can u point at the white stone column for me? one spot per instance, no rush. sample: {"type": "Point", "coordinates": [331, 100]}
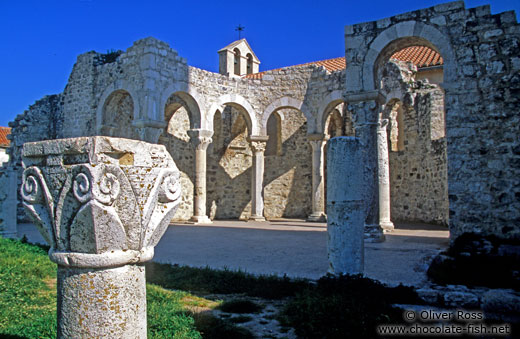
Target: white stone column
{"type": "Point", "coordinates": [384, 177]}
{"type": "Point", "coordinates": [8, 202]}
{"type": "Point", "coordinates": [102, 204]}
{"type": "Point", "coordinates": [258, 144]}
{"type": "Point", "coordinates": [346, 205]}
{"type": "Point", "coordinates": [201, 140]}
{"type": "Point", "coordinates": [318, 142]}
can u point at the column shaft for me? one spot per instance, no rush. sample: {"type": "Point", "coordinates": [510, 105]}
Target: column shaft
{"type": "Point", "coordinates": [318, 142]}
{"type": "Point", "coordinates": [201, 139]}
{"type": "Point", "coordinates": [384, 177]}
{"type": "Point", "coordinates": [345, 206]}
{"type": "Point", "coordinates": [102, 303]}
{"type": "Point", "coordinates": [258, 144]}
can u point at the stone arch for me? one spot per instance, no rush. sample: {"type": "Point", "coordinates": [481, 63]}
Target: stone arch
{"type": "Point", "coordinates": [335, 121]}
{"type": "Point", "coordinates": [191, 97]}
{"type": "Point", "coordinates": [402, 35]}
{"type": "Point", "coordinates": [116, 87]}
{"type": "Point", "coordinates": [239, 102]}
{"type": "Point", "coordinates": [326, 106]}
{"type": "Point", "coordinates": [283, 102]}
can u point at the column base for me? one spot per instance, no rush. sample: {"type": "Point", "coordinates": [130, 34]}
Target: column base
{"type": "Point", "coordinates": [317, 217]}
{"type": "Point", "coordinates": [201, 219]}
{"type": "Point", "coordinates": [387, 226]}
{"type": "Point", "coordinates": [256, 218]}
{"type": "Point", "coordinates": [374, 233]}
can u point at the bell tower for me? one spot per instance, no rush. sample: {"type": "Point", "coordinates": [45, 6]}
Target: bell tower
{"type": "Point", "coordinates": [238, 59]}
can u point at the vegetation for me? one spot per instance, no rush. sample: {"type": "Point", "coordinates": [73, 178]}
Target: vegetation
{"type": "Point", "coordinates": [207, 281]}
{"type": "Point", "coordinates": [28, 301]}
{"type": "Point", "coordinates": [345, 307]}
{"type": "Point", "coordinates": [331, 308]}
{"type": "Point", "coordinates": [108, 57]}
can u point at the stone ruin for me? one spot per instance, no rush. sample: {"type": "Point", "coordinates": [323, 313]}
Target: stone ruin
{"type": "Point", "coordinates": [252, 145]}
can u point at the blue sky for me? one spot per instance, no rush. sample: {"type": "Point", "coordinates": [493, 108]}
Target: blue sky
{"type": "Point", "coordinates": [41, 39]}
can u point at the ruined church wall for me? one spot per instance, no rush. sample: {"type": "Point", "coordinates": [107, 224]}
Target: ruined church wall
{"type": "Point", "coordinates": [418, 173]}
{"type": "Point", "coordinates": [288, 174]}
{"type": "Point", "coordinates": [481, 53]}
{"type": "Point", "coordinates": [177, 142]}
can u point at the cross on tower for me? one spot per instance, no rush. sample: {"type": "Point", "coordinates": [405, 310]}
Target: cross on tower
{"type": "Point", "coordinates": [239, 28]}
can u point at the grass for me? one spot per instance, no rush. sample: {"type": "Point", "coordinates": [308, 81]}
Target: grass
{"type": "Point", "coordinates": [209, 281]}
{"type": "Point", "coordinates": [348, 306]}
{"type": "Point", "coordinates": [28, 301]}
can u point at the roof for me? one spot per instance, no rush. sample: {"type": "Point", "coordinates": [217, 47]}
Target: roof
{"type": "Point", "coordinates": [4, 131]}
{"type": "Point", "coordinates": [421, 56]}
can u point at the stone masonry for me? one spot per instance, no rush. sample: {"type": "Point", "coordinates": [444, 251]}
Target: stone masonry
{"type": "Point", "coordinates": [453, 148]}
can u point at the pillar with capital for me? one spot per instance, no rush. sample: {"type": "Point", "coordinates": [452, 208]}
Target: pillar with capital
{"type": "Point", "coordinates": [365, 108]}
{"type": "Point", "coordinates": [318, 142]}
{"type": "Point", "coordinates": [201, 139]}
{"type": "Point", "coordinates": [102, 204]}
{"type": "Point", "coordinates": [258, 144]}
{"type": "Point", "coordinates": [384, 177]}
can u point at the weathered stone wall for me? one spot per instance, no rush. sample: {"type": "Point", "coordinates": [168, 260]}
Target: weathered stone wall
{"type": "Point", "coordinates": [418, 172]}
{"type": "Point", "coordinates": [177, 142]}
{"type": "Point", "coordinates": [482, 85]}
{"type": "Point", "coordinates": [229, 168]}
{"type": "Point", "coordinates": [288, 174]}
{"type": "Point", "coordinates": [129, 94]}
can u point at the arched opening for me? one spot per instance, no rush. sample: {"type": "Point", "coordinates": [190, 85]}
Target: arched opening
{"type": "Point", "coordinates": [177, 115]}
{"type": "Point", "coordinates": [287, 173]}
{"type": "Point", "coordinates": [229, 163]}
{"type": "Point", "coordinates": [249, 63]}
{"type": "Point", "coordinates": [118, 113]}
{"type": "Point", "coordinates": [338, 122]}
{"type": "Point", "coordinates": [236, 61]}
{"type": "Point", "coordinates": [417, 159]}
{"type": "Point", "coordinates": [274, 132]}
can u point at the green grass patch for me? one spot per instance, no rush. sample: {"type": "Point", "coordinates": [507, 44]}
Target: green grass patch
{"type": "Point", "coordinates": [27, 291]}
{"type": "Point", "coordinates": [207, 281]}
{"type": "Point", "coordinates": [28, 301]}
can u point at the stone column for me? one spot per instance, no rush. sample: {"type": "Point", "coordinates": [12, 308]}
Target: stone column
{"type": "Point", "coordinates": [201, 140]}
{"type": "Point", "coordinates": [318, 142]}
{"type": "Point", "coordinates": [365, 109]}
{"type": "Point", "coordinates": [384, 177]}
{"type": "Point", "coordinates": [346, 205]}
{"type": "Point", "coordinates": [8, 202]}
{"type": "Point", "coordinates": [102, 204]}
{"type": "Point", "coordinates": [258, 143]}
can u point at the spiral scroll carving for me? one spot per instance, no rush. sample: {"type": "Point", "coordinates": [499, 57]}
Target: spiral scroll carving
{"type": "Point", "coordinates": [33, 190]}
{"type": "Point", "coordinates": [81, 188]}
{"type": "Point", "coordinates": [170, 189]}
{"type": "Point", "coordinates": [107, 188]}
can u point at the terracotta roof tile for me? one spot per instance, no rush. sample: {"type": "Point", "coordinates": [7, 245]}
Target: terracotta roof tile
{"type": "Point", "coordinates": [4, 131]}
{"type": "Point", "coordinates": [421, 56]}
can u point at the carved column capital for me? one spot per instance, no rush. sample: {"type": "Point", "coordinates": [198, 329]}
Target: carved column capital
{"type": "Point", "coordinates": [200, 138]}
{"type": "Point", "coordinates": [99, 201]}
{"type": "Point", "coordinates": [258, 143]}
